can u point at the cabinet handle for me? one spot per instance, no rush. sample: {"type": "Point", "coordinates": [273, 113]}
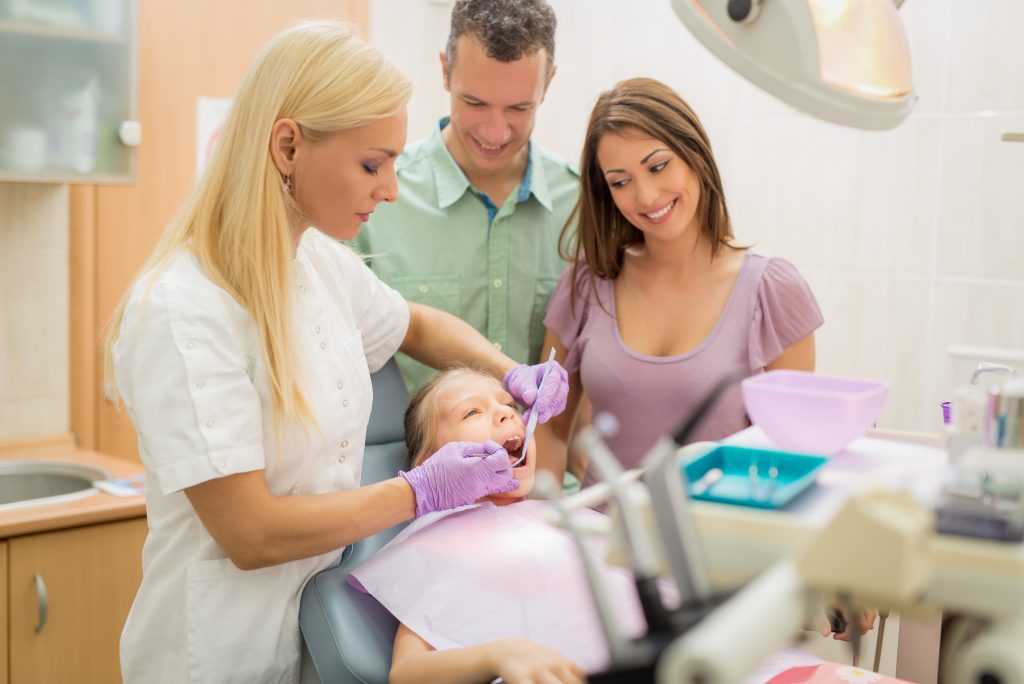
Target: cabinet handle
{"type": "Point", "coordinates": [130, 133]}
{"type": "Point", "coordinates": [43, 603]}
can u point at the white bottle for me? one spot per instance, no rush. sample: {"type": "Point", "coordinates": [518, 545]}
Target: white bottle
{"type": "Point", "coordinates": [78, 128]}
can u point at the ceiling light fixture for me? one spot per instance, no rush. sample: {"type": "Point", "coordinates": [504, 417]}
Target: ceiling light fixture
{"type": "Point", "coordinates": [845, 61]}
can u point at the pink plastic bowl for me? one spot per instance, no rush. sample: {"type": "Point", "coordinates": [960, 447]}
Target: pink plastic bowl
{"type": "Point", "coordinates": [810, 412]}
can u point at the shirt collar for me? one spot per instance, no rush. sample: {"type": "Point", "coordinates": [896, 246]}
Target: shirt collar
{"type": "Point", "coordinates": [452, 183]}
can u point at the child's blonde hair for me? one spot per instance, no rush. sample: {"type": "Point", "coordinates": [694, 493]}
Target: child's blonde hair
{"type": "Point", "coordinates": [421, 414]}
{"type": "Point", "coordinates": [236, 221]}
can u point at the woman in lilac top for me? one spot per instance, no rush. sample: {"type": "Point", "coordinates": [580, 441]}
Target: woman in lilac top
{"type": "Point", "coordinates": [659, 303]}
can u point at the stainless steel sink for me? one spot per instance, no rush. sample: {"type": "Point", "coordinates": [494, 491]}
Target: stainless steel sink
{"type": "Point", "coordinates": [33, 483]}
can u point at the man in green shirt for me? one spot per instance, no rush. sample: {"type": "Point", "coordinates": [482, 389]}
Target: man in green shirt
{"type": "Point", "coordinates": [480, 207]}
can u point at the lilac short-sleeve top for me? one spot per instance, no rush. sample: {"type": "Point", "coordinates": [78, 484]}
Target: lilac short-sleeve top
{"type": "Point", "coordinates": [770, 307]}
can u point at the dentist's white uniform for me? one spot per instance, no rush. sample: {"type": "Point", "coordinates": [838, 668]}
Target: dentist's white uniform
{"type": "Point", "coordinates": [191, 373]}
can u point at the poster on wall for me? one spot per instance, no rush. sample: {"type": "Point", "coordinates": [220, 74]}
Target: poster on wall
{"type": "Point", "coordinates": [210, 115]}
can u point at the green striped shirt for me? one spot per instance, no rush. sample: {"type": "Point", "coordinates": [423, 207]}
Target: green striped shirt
{"type": "Point", "coordinates": [438, 245]}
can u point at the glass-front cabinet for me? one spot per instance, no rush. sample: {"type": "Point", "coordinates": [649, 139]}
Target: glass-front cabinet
{"type": "Point", "coordinates": [69, 91]}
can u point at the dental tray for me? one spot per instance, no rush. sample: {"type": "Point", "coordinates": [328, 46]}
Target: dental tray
{"type": "Point", "coordinates": [796, 472]}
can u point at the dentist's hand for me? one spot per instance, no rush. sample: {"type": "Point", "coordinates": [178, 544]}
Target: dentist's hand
{"type": "Point", "coordinates": [548, 400]}
{"type": "Point", "coordinates": [459, 473]}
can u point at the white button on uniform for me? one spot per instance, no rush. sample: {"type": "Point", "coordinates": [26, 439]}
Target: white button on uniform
{"type": "Point", "coordinates": [190, 344]}
{"type": "Point", "coordinates": [344, 444]}
{"type": "Point", "coordinates": [497, 282]}
{"type": "Point", "coordinates": [423, 288]}
{"type": "Point", "coordinates": [497, 345]}
{"type": "Point", "coordinates": [341, 384]}
{"type": "Point", "coordinates": [200, 383]}
{"type": "Point", "coordinates": [341, 459]}
{"type": "Point", "coordinates": [344, 402]}
{"type": "Point", "coordinates": [209, 423]}
{"type": "Point", "coordinates": [323, 345]}
{"type": "Point", "coordinates": [318, 330]}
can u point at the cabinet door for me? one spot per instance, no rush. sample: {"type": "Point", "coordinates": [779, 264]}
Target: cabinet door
{"type": "Point", "coordinates": [68, 84]}
{"type": "Point", "coordinates": [89, 576]}
{"type": "Point", "coordinates": [3, 612]}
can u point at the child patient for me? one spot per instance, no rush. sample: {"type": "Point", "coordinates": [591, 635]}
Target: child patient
{"type": "Point", "coordinates": [477, 590]}
{"type": "Point", "coordinates": [492, 590]}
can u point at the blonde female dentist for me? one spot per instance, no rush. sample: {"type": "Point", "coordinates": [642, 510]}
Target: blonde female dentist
{"type": "Point", "coordinates": [242, 353]}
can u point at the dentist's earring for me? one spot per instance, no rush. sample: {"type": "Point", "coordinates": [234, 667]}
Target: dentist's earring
{"type": "Point", "coordinates": [288, 185]}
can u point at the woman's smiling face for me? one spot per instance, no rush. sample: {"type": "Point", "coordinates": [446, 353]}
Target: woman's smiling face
{"type": "Point", "coordinates": [472, 407]}
{"type": "Point", "coordinates": [651, 185]}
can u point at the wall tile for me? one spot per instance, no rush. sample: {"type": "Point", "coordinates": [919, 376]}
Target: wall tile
{"type": "Point", "coordinates": [927, 26]}
{"type": "Point", "coordinates": [875, 327]}
{"type": "Point", "coordinates": [33, 217]}
{"type": "Point", "coordinates": [36, 417]}
{"type": "Point", "coordinates": [981, 204]}
{"type": "Point", "coordinates": [34, 334]}
{"type": "Point", "coordinates": [33, 309]}
{"type": "Point", "coordinates": [985, 56]}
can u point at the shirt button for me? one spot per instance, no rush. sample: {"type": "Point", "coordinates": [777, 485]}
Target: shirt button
{"type": "Point", "coordinates": [302, 288]}
{"type": "Point", "coordinates": [341, 459]}
{"type": "Point", "coordinates": [344, 445]}
{"type": "Point", "coordinates": [497, 282]}
{"type": "Point", "coordinates": [218, 464]}
{"type": "Point", "coordinates": [344, 402]}
{"type": "Point", "coordinates": [318, 330]}
{"type": "Point", "coordinates": [190, 344]}
{"type": "Point", "coordinates": [209, 423]}
{"type": "Point", "coordinates": [423, 288]}
{"type": "Point", "coordinates": [200, 383]}
{"type": "Point", "coordinates": [323, 345]}
{"type": "Point", "coordinates": [497, 345]}
{"type": "Point", "coordinates": [341, 384]}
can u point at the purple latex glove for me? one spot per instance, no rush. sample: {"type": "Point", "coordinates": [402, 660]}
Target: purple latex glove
{"type": "Point", "coordinates": [459, 473]}
{"type": "Point", "coordinates": [548, 401]}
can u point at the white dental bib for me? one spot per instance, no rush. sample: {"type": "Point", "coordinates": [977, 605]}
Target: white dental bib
{"type": "Point", "coordinates": [484, 572]}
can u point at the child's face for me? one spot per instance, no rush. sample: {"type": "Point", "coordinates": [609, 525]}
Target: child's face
{"type": "Point", "coordinates": [475, 408]}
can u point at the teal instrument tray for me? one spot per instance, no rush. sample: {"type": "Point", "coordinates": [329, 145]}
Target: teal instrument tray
{"type": "Point", "coordinates": [736, 485]}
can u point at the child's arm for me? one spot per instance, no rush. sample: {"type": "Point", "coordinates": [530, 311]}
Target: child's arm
{"type": "Point", "coordinates": [413, 660]}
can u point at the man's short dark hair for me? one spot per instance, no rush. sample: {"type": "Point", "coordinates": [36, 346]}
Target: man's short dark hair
{"type": "Point", "coordinates": [507, 29]}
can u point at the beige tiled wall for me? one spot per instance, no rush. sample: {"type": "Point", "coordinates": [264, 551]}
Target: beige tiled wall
{"type": "Point", "coordinates": [913, 238]}
{"type": "Point", "coordinates": [33, 310]}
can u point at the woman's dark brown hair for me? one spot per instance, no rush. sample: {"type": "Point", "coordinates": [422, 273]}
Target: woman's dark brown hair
{"type": "Point", "coordinates": [602, 234]}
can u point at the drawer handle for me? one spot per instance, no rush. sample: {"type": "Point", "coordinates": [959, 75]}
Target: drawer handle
{"type": "Point", "coordinates": [43, 602]}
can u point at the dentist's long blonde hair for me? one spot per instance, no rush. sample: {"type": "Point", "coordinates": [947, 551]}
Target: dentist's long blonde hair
{"type": "Point", "coordinates": [236, 221]}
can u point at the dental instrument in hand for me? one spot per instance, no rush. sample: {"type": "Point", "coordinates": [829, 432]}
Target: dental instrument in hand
{"type": "Point", "coordinates": [531, 424]}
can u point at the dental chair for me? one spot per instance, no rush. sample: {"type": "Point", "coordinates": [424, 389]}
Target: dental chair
{"type": "Point", "coordinates": [348, 635]}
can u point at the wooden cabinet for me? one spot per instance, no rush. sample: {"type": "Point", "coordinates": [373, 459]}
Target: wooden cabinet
{"type": "Point", "coordinates": [3, 612]}
{"type": "Point", "coordinates": [69, 91]}
{"type": "Point", "coordinates": [89, 576]}
{"type": "Point", "coordinates": [187, 49]}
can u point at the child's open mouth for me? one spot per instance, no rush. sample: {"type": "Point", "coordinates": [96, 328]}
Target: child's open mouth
{"type": "Point", "coordinates": [513, 444]}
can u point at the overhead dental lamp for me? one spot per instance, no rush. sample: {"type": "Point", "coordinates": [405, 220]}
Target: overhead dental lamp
{"type": "Point", "coordinates": [844, 61]}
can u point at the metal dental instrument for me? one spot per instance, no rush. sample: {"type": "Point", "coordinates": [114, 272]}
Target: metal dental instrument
{"type": "Point", "coordinates": [707, 481]}
{"type": "Point", "coordinates": [531, 424]}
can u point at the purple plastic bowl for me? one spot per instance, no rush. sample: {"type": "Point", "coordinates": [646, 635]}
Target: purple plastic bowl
{"type": "Point", "coordinates": [810, 412]}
